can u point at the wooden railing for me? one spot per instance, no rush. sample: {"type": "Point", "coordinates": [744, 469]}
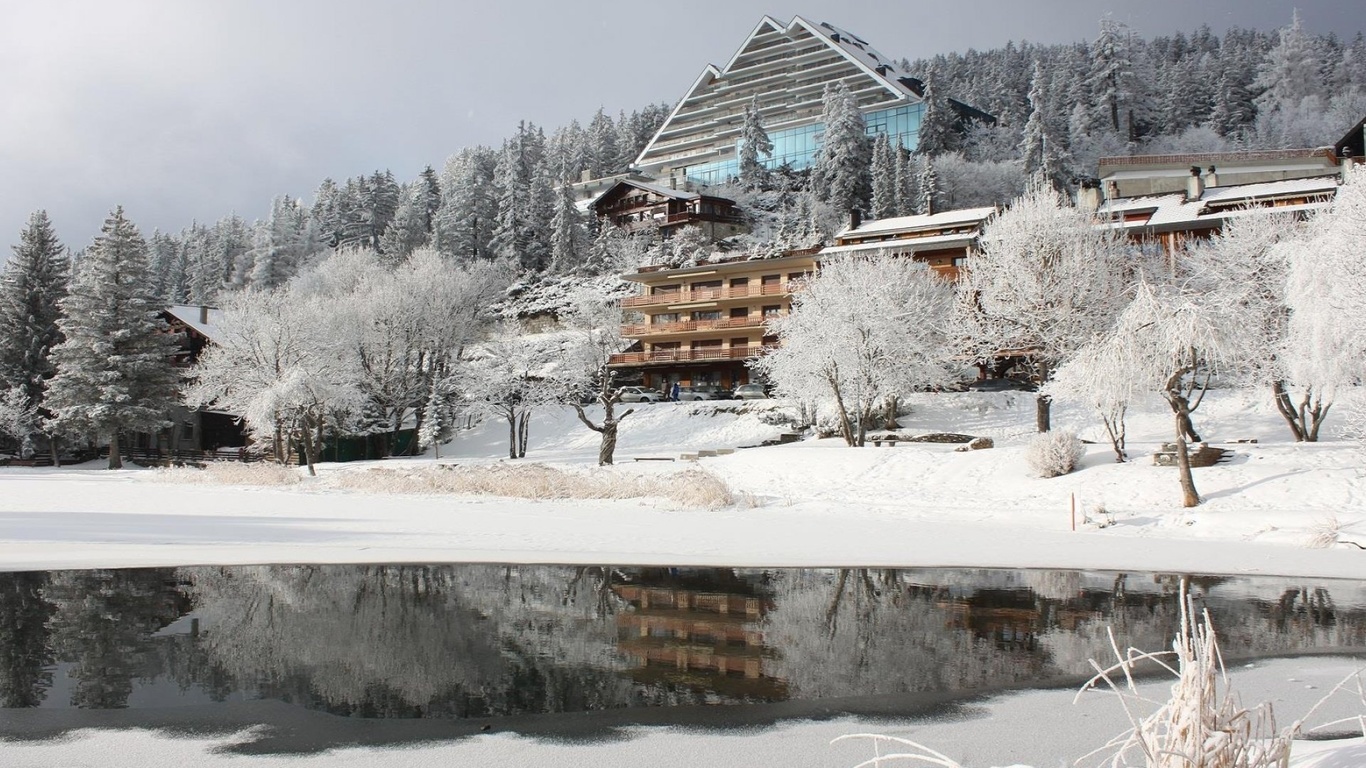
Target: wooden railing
{"type": "Point", "coordinates": [685, 326]}
{"type": "Point", "coordinates": [687, 355]}
{"type": "Point", "coordinates": [684, 296]}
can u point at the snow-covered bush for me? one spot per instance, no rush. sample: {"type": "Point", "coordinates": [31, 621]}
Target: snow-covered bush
{"type": "Point", "coordinates": [1054, 453]}
{"type": "Point", "coordinates": [231, 473]}
{"type": "Point", "coordinates": [692, 488]}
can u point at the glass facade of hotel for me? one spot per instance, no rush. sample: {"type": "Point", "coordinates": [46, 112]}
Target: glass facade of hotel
{"type": "Point", "coordinates": [796, 147]}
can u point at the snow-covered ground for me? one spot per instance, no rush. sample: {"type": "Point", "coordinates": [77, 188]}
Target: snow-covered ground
{"type": "Point", "coordinates": [811, 503]}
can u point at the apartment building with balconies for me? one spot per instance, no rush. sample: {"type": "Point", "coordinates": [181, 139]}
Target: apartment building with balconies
{"type": "Point", "coordinates": [701, 324]}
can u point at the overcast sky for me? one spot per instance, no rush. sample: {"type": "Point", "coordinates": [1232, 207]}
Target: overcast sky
{"type": "Point", "coordinates": [184, 110]}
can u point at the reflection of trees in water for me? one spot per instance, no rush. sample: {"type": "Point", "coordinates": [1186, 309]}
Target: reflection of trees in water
{"type": "Point", "coordinates": [410, 640]}
{"type": "Point", "coordinates": [103, 625]}
{"type": "Point", "coordinates": [25, 656]}
{"type": "Point", "coordinates": [854, 632]}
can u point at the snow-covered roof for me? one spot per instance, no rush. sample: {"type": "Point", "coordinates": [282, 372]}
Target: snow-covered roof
{"type": "Point", "coordinates": [190, 314]}
{"type": "Point", "coordinates": [908, 245]}
{"type": "Point", "coordinates": [900, 224]}
{"type": "Point", "coordinates": [659, 189]}
{"type": "Point", "coordinates": [1173, 211]}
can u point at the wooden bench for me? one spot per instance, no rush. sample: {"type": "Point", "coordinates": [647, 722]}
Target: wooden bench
{"type": "Point", "coordinates": [890, 440]}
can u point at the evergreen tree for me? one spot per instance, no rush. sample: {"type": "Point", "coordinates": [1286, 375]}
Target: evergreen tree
{"type": "Point", "coordinates": [885, 198]}
{"type": "Point", "coordinates": [567, 233]}
{"type": "Point", "coordinates": [431, 196]}
{"type": "Point", "coordinates": [839, 174]}
{"type": "Point", "coordinates": [927, 188]}
{"type": "Point", "coordinates": [1043, 149]}
{"type": "Point", "coordinates": [938, 126]}
{"type": "Point", "coordinates": [114, 371]}
{"type": "Point", "coordinates": [603, 153]}
{"type": "Point", "coordinates": [26, 657]}
{"type": "Point", "coordinates": [754, 144]}
{"type": "Point", "coordinates": [906, 176]}
{"type": "Point", "coordinates": [1293, 70]}
{"type": "Point", "coordinates": [469, 208]}
{"type": "Point", "coordinates": [31, 289]}
{"type": "Point", "coordinates": [164, 255]}
{"type": "Point", "coordinates": [1112, 75]}
{"type": "Point", "coordinates": [408, 231]}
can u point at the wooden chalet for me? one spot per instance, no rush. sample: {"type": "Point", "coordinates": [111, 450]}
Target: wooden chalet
{"type": "Point", "coordinates": [943, 241]}
{"type": "Point", "coordinates": [633, 205]}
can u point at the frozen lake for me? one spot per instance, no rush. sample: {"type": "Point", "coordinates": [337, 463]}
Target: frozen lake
{"type": "Point", "coordinates": [332, 656]}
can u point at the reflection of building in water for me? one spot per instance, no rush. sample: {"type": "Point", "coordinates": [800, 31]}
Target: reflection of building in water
{"type": "Point", "coordinates": [698, 630]}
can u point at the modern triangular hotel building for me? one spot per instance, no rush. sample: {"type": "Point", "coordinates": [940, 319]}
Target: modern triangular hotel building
{"type": "Point", "coordinates": [787, 66]}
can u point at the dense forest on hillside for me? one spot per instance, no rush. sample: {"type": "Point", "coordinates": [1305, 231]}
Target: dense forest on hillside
{"type": "Point", "coordinates": [1058, 108]}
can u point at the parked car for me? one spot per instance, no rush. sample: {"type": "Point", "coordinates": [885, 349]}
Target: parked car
{"type": "Point", "coordinates": [751, 392]}
{"type": "Point", "coordinates": [703, 392]}
{"type": "Point", "coordinates": [640, 395]}
{"type": "Point", "coordinates": [1000, 385]}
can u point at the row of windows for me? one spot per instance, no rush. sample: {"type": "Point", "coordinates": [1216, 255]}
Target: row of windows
{"type": "Point", "coordinates": [797, 147]}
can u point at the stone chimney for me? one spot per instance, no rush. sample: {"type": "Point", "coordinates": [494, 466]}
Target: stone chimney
{"type": "Point", "coordinates": [203, 314]}
{"type": "Point", "coordinates": [1088, 195]}
{"type": "Point", "coordinates": [855, 218]}
{"type": "Point", "coordinates": [1211, 178]}
{"type": "Point", "coordinates": [1195, 185]}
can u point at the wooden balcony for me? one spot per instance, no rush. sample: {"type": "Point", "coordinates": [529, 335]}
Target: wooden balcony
{"type": "Point", "coordinates": [687, 326]}
{"type": "Point", "coordinates": [686, 296]}
{"type": "Point", "coordinates": [666, 357]}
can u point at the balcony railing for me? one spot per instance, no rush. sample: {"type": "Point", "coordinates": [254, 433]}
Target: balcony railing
{"type": "Point", "coordinates": [686, 296]}
{"type": "Point", "coordinates": [659, 357]}
{"type": "Point", "coordinates": [685, 326]}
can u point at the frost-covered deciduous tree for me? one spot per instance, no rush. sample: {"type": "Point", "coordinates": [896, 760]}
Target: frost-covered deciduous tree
{"type": "Point", "coordinates": [1046, 281]}
{"type": "Point", "coordinates": [114, 373]}
{"type": "Point", "coordinates": [596, 328]}
{"type": "Point", "coordinates": [510, 376]}
{"type": "Point", "coordinates": [1243, 269]}
{"type": "Point", "coordinates": [1097, 376]}
{"type": "Point", "coordinates": [32, 286]}
{"type": "Point", "coordinates": [277, 362]}
{"type": "Point", "coordinates": [1326, 296]}
{"type": "Point", "coordinates": [1172, 339]}
{"type": "Point", "coordinates": [863, 331]}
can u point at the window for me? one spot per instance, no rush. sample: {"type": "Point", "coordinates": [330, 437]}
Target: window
{"type": "Point", "coordinates": [739, 312]}
{"type": "Point", "coordinates": [708, 314]}
{"type": "Point", "coordinates": [667, 317]}
{"type": "Point", "coordinates": [773, 310]}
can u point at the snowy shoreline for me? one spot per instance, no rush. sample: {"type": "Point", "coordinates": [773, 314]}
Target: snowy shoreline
{"type": "Point", "coordinates": [814, 503]}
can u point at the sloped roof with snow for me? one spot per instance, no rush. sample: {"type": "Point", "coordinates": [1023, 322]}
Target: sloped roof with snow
{"type": "Point", "coordinates": [1174, 212]}
{"type": "Point", "coordinates": [919, 222]}
{"type": "Point", "coordinates": [659, 189]}
{"type": "Point", "coordinates": [189, 315]}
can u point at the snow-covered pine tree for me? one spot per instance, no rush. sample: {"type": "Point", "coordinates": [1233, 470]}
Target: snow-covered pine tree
{"type": "Point", "coordinates": [927, 188]}
{"type": "Point", "coordinates": [408, 231]}
{"type": "Point", "coordinates": [885, 198]}
{"type": "Point", "coordinates": [1293, 70]}
{"type": "Point", "coordinates": [1043, 147]}
{"type": "Point", "coordinates": [754, 145]}
{"type": "Point", "coordinates": [1111, 76]}
{"type": "Point", "coordinates": [602, 153]}
{"type": "Point", "coordinates": [938, 126]}
{"type": "Point", "coordinates": [164, 251]}
{"type": "Point", "coordinates": [32, 286]}
{"type": "Point", "coordinates": [906, 175]}
{"type": "Point", "coordinates": [431, 196]}
{"type": "Point", "coordinates": [469, 206]}
{"type": "Point", "coordinates": [568, 240]}
{"type": "Point", "coordinates": [114, 373]}
{"type": "Point", "coordinates": [839, 174]}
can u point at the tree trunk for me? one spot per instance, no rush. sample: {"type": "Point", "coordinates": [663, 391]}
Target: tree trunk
{"type": "Point", "coordinates": [889, 418]}
{"type": "Point", "coordinates": [1188, 428]}
{"type": "Point", "coordinates": [523, 428]}
{"type": "Point", "coordinates": [1189, 496]}
{"type": "Point", "coordinates": [608, 447]}
{"type": "Point", "coordinates": [846, 427]}
{"type": "Point", "coordinates": [1305, 419]}
{"type": "Point", "coordinates": [1114, 426]}
{"type": "Point", "coordinates": [512, 435]}
{"type": "Point", "coordinates": [1043, 411]}
{"type": "Point", "coordinates": [308, 447]}
{"type": "Point", "coordinates": [115, 461]}
{"type": "Point", "coordinates": [52, 444]}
